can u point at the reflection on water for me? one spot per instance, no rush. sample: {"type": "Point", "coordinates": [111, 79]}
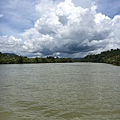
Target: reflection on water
{"type": "Point", "coordinates": [72, 91]}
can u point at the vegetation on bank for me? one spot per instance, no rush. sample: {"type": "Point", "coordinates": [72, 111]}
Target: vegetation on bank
{"type": "Point", "coordinates": [110, 57]}
{"type": "Point", "coordinates": [7, 58]}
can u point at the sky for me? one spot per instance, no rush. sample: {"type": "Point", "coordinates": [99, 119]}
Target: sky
{"type": "Point", "coordinates": [63, 28]}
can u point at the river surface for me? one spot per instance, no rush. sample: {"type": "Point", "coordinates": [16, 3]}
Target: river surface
{"type": "Point", "coordinates": [60, 91]}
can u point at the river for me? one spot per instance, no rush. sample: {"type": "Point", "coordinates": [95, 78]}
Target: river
{"type": "Point", "coordinates": [60, 91]}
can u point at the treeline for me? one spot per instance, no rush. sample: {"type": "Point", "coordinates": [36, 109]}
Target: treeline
{"type": "Point", "coordinates": [6, 58]}
{"type": "Point", "coordinates": [110, 57]}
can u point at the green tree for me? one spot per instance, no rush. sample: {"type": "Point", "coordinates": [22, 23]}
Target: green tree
{"type": "Point", "coordinates": [20, 59]}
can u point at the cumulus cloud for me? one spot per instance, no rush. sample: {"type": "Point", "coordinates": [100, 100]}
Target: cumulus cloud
{"type": "Point", "coordinates": [10, 44]}
{"type": "Point", "coordinates": [66, 30]}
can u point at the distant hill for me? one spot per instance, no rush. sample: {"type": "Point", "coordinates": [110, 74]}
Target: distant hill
{"type": "Point", "coordinates": [10, 54]}
{"type": "Point", "coordinates": [110, 57]}
{"type": "Point", "coordinates": [11, 58]}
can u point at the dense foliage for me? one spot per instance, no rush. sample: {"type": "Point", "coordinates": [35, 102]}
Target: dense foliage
{"type": "Point", "coordinates": [110, 57]}
{"type": "Point", "coordinates": [8, 58]}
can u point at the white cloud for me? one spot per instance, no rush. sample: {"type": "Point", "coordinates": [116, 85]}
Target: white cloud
{"type": "Point", "coordinates": [10, 44]}
{"type": "Point", "coordinates": [66, 30]}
